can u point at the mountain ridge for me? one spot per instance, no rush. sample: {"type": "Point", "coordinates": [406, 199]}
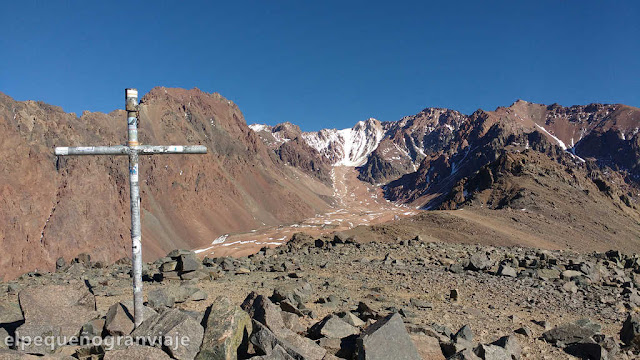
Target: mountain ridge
{"type": "Point", "coordinates": [60, 207]}
{"type": "Point", "coordinates": [437, 144]}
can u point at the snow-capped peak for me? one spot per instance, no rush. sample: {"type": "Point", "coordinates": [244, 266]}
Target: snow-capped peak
{"type": "Point", "coordinates": [347, 147]}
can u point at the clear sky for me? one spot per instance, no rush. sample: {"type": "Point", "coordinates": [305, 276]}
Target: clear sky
{"type": "Point", "coordinates": [323, 63]}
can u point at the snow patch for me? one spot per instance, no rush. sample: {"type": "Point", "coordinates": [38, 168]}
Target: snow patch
{"type": "Point", "coordinates": [560, 143]}
{"type": "Point", "coordinates": [220, 239]}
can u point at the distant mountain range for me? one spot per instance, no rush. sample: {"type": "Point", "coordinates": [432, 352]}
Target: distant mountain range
{"type": "Point", "coordinates": [420, 158]}
{"type": "Point", "coordinates": [522, 156]}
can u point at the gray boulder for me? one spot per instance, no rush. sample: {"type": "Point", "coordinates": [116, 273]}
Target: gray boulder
{"type": "Point", "coordinates": [227, 330]}
{"type": "Point", "coordinates": [587, 350]}
{"type": "Point", "coordinates": [630, 332]}
{"type": "Point", "coordinates": [294, 345]}
{"type": "Point", "coordinates": [505, 270]}
{"type": "Point", "coordinates": [119, 321]}
{"type": "Point", "coordinates": [183, 331]}
{"type": "Point", "coordinates": [10, 313]}
{"type": "Point", "coordinates": [53, 310]}
{"type": "Point", "coordinates": [479, 261]}
{"type": "Point", "coordinates": [188, 262]}
{"type": "Point", "coordinates": [387, 339]}
{"type": "Point", "coordinates": [511, 345]}
{"type": "Point", "coordinates": [566, 334]}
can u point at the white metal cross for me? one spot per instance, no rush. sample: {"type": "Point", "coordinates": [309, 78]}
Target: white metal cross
{"type": "Point", "coordinates": [133, 149]}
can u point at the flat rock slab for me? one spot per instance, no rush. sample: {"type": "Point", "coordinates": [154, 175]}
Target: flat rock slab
{"type": "Point", "coordinates": [57, 304]}
{"type": "Point", "coordinates": [294, 345]}
{"type": "Point", "coordinates": [137, 353]}
{"type": "Point", "coordinates": [15, 355]}
{"type": "Point", "coordinates": [387, 339]}
{"type": "Point", "coordinates": [54, 312]}
{"type": "Point", "coordinates": [182, 331]}
{"type": "Point", "coordinates": [428, 347]}
{"type": "Point", "coordinates": [10, 313]}
{"type": "Point", "coordinates": [568, 334]}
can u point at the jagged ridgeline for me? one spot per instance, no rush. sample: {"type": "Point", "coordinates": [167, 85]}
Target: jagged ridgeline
{"type": "Point", "coordinates": [424, 155]}
{"type": "Point", "coordinates": [556, 164]}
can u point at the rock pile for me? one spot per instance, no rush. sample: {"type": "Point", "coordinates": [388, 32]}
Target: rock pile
{"type": "Point", "coordinates": [331, 298]}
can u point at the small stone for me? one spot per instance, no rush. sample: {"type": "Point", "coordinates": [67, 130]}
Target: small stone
{"type": "Point", "coordinates": [511, 345]}
{"type": "Point", "coordinates": [454, 295]}
{"type": "Point", "coordinates": [242, 270]}
{"type": "Point", "coordinates": [524, 331]}
{"type": "Point", "coordinates": [571, 274]}
{"type": "Point", "coordinates": [292, 322]}
{"type": "Point", "coordinates": [506, 270]}
{"type": "Point", "coordinates": [352, 319]}
{"type": "Point", "coordinates": [169, 266]}
{"type": "Point", "coordinates": [492, 352]}
{"type": "Point", "coordinates": [174, 254]}
{"type": "Point", "coordinates": [464, 333]}
{"type": "Point", "coordinates": [466, 354]}
{"type": "Point", "coordinates": [188, 262]}
{"type": "Point", "coordinates": [420, 304]}
{"type": "Point", "coordinates": [333, 327]}
{"type": "Point", "coordinates": [570, 286]}
{"type": "Point", "coordinates": [548, 274]}
{"type": "Point", "coordinates": [199, 295]}
{"type": "Point", "coordinates": [296, 346]}
{"type": "Point", "coordinates": [60, 263]}
{"type": "Point", "coordinates": [194, 275]}
{"type": "Point", "coordinates": [92, 329]}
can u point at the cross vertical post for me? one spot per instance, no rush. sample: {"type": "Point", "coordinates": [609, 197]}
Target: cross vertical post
{"type": "Point", "coordinates": [134, 191]}
{"type": "Point", "coordinates": [133, 149]}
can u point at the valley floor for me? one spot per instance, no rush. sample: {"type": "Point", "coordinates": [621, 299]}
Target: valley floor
{"type": "Point", "coordinates": [358, 203]}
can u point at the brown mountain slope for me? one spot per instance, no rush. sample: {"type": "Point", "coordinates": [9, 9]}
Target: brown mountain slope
{"type": "Point", "coordinates": [53, 207]}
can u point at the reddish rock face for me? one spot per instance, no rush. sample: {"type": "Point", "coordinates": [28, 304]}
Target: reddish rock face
{"type": "Point", "coordinates": [52, 207]}
{"type": "Point", "coordinates": [456, 146]}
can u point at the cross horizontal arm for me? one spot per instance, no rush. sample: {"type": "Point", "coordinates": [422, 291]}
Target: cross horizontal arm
{"type": "Point", "coordinates": [93, 150]}
{"type": "Point", "coordinates": [170, 149]}
{"type": "Point", "coordinates": [125, 150]}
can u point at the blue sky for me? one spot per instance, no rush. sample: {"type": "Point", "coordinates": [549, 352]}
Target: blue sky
{"type": "Point", "coordinates": [325, 63]}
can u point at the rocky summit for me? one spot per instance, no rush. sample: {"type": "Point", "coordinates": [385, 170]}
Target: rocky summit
{"type": "Point", "coordinates": [334, 298]}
